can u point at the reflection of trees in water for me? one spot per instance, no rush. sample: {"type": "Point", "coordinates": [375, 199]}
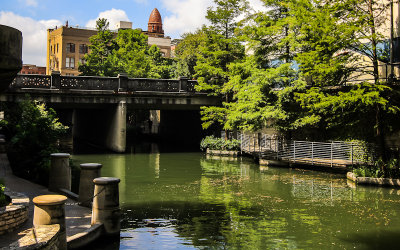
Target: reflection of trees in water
{"type": "Point", "coordinates": [200, 222]}
{"type": "Point", "coordinates": [232, 204]}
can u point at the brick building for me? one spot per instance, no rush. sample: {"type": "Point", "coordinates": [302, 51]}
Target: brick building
{"type": "Point", "coordinates": [32, 69]}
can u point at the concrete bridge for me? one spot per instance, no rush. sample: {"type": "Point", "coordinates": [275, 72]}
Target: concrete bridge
{"type": "Point", "coordinates": [96, 107]}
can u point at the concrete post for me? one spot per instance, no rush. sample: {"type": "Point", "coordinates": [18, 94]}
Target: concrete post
{"type": "Point", "coordinates": [60, 172]}
{"type": "Point", "coordinates": [105, 208]}
{"type": "Point", "coordinates": [2, 145]}
{"type": "Point", "coordinates": [122, 82]}
{"type": "Point", "coordinates": [89, 171]}
{"type": "Point", "coordinates": [183, 82]}
{"type": "Point", "coordinates": [116, 136]}
{"type": "Point", "coordinates": [55, 80]}
{"type": "Point", "coordinates": [49, 209]}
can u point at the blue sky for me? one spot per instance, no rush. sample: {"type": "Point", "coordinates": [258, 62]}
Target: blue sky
{"type": "Point", "coordinates": [34, 17]}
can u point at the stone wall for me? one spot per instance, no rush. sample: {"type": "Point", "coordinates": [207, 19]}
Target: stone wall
{"type": "Point", "coordinates": [14, 215]}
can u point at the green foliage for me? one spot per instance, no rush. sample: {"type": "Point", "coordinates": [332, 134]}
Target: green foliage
{"type": "Point", "coordinates": [214, 143]}
{"type": "Point", "coordinates": [188, 51]}
{"type": "Point", "coordinates": [221, 46]}
{"type": "Point", "coordinates": [380, 169]}
{"type": "Point", "coordinates": [3, 198]}
{"type": "Point", "coordinates": [302, 56]}
{"type": "Point", "coordinates": [366, 171]}
{"type": "Point", "coordinates": [35, 131]}
{"type": "Point", "coordinates": [127, 51]}
{"type": "Point", "coordinates": [99, 62]}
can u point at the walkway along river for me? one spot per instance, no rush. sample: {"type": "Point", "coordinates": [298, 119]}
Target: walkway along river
{"type": "Point", "coordinates": [190, 201]}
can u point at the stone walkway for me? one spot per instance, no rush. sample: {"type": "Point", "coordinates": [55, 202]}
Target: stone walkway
{"type": "Point", "coordinates": [77, 218]}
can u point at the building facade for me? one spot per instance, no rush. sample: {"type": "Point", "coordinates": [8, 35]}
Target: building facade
{"type": "Point", "coordinates": [32, 69]}
{"type": "Point", "coordinates": [66, 46]}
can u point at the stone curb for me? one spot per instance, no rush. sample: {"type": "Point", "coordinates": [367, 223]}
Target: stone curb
{"type": "Point", "coordinates": [89, 236]}
{"type": "Point", "coordinates": [223, 152]}
{"type": "Point", "coordinates": [373, 181]}
{"type": "Point", "coordinates": [41, 237]}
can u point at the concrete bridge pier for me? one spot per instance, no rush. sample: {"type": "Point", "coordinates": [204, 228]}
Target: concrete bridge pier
{"type": "Point", "coordinates": [104, 126]}
{"type": "Point", "coordinates": [116, 134]}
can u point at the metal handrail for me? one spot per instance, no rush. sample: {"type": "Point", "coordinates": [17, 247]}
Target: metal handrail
{"type": "Point", "coordinates": [335, 153]}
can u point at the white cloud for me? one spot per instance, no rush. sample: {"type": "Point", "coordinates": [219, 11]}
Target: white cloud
{"type": "Point", "coordinates": [34, 35]}
{"type": "Point", "coordinates": [257, 5]}
{"type": "Point", "coordinates": [188, 15]}
{"type": "Point", "coordinates": [28, 3]}
{"type": "Point", "coordinates": [32, 3]}
{"type": "Point", "coordinates": [113, 16]}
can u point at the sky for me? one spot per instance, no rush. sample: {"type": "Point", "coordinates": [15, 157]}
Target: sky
{"type": "Point", "coordinates": [34, 17]}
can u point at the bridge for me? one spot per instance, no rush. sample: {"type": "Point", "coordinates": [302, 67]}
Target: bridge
{"type": "Point", "coordinates": [96, 107]}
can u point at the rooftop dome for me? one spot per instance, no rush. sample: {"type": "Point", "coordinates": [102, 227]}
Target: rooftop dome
{"type": "Point", "coordinates": [155, 17]}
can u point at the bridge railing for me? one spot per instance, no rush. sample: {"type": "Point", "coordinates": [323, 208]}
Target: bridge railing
{"type": "Point", "coordinates": [122, 83]}
{"type": "Point", "coordinates": [31, 81]}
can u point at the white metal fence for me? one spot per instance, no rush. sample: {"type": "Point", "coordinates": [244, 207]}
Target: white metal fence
{"type": "Point", "coordinates": [336, 153]}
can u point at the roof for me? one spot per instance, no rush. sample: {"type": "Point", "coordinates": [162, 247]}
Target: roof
{"type": "Point", "coordinates": [155, 17]}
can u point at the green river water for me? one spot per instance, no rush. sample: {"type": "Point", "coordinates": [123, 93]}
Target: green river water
{"type": "Point", "coordinates": [191, 201]}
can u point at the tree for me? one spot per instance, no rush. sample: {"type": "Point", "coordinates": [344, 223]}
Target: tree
{"type": "Point", "coordinates": [131, 53]}
{"type": "Point", "coordinates": [221, 46]}
{"type": "Point", "coordinates": [35, 131]}
{"type": "Point", "coordinates": [128, 51]}
{"type": "Point", "coordinates": [188, 52]}
{"type": "Point", "coordinates": [99, 62]}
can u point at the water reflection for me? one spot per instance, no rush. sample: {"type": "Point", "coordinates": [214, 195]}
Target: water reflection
{"type": "Point", "coordinates": [189, 200]}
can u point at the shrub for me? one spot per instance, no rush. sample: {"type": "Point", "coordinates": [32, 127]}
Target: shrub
{"type": "Point", "coordinates": [34, 132]}
{"type": "Point", "coordinates": [214, 143]}
{"type": "Point", "coordinates": [380, 169]}
{"type": "Point", "coordinates": [3, 198]}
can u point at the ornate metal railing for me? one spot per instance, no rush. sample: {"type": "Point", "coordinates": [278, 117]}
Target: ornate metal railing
{"type": "Point", "coordinates": [31, 81]}
{"type": "Point", "coordinates": [117, 84]}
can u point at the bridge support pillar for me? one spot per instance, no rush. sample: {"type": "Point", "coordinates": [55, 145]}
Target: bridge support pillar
{"type": "Point", "coordinates": [116, 135]}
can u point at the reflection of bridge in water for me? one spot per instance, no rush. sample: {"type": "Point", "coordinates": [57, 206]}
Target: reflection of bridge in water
{"type": "Point", "coordinates": [338, 154]}
{"type": "Point", "coordinates": [96, 107]}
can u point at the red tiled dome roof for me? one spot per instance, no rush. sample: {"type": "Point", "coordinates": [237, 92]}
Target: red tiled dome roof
{"type": "Point", "coordinates": [155, 17]}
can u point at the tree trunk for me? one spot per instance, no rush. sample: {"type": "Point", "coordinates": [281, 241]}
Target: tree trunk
{"type": "Point", "coordinates": [373, 41]}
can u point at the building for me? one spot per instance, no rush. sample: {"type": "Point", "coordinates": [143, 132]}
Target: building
{"type": "Point", "coordinates": [66, 45]}
{"type": "Point", "coordinates": [32, 69]}
{"type": "Point", "coordinates": [155, 33]}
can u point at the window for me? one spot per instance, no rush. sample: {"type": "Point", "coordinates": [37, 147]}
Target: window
{"type": "Point", "coordinates": [82, 61]}
{"type": "Point", "coordinates": [83, 49]}
{"type": "Point", "coordinates": [57, 47]}
{"type": "Point", "coordinates": [51, 48]}
{"type": "Point", "coordinates": [70, 62]}
{"type": "Point", "coordinates": [70, 47]}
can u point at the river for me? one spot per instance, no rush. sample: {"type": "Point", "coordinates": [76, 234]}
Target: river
{"type": "Point", "coordinates": [192, 201]}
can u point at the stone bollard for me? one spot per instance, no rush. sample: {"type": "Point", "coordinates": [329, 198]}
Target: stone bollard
{"type": "Point", "coordinates": [60, 172]}
{"type": "Point", "coordinates": [105, 207]}
{"type": "Point", "coordinates": [2, 145]}
{"type": "Point", "coordinates": [89, 172]}
{"type": "Point", "coordinates": [49, 209]}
